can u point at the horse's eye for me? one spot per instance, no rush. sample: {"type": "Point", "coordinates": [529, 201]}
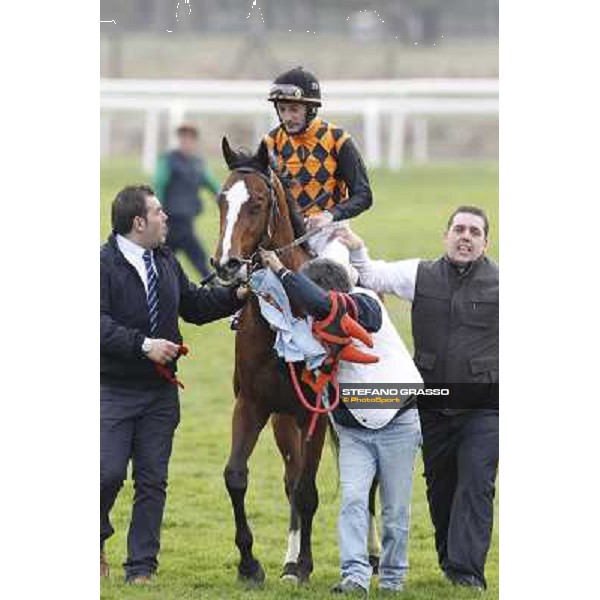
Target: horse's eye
{"type": "Point", "coordinates": [254, 209]}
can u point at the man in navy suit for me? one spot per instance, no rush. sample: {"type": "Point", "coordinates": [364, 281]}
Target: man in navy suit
{"type": "Point", "coordinates": [143, 291]}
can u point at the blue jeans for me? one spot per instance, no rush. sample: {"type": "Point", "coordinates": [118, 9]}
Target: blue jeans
{"type": "Point", "coordinates": [390, 453]}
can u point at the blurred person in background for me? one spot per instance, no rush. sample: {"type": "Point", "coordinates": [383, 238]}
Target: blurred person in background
{"type": "Point", "coordinates": [455, 332]}
{"type": "Point", "coordinates": [180, 175]}
{"type": "Point", "coordinates": [325, 172]}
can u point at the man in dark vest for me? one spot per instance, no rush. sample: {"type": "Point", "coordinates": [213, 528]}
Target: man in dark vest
{"type": "Point", "coordinates": [455, 332]}
{"type": "Point", "coordinates": [143, 292]}
{"type": "Point", "coordinates": [179, 177]}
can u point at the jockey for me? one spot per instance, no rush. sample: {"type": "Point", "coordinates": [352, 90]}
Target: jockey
{"type": "Point", "coordinates": [328, 177]}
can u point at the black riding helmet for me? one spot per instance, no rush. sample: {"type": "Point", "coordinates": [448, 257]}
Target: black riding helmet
{"type": "Point", "coordinates": [297, 85]}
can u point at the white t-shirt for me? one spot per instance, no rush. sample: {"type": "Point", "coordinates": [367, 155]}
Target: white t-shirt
{"type": "Point", "coordinates": [395, 366]}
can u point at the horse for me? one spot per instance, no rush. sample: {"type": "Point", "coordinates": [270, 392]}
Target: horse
{"type": "Point", "coordinates": [255, 211]}
{"type": "Point", "coordinates": [261, 212]}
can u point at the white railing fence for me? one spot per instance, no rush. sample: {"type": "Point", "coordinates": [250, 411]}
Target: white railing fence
{"type": "Point", "coordinates": [387, 107]}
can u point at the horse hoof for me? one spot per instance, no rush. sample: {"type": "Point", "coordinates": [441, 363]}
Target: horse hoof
{"type": "Point", "coordinates": [291, 580]}
{"type": "Point", "coordinates": [251, 574]}
{"type": "Point", "coordinates": [290, 573]}
{"type": "Point", "coordinates": [374, 562]}
{"type": "Point", "coordinates": [303, 575]}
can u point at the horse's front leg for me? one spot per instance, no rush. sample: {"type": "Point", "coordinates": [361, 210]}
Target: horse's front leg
{"type": "Point", "coordinates": [306, 497]}
{"type": "Point", "coordinates": [288, 438]}
{"type": "Point", "coordinates": [246, 427]}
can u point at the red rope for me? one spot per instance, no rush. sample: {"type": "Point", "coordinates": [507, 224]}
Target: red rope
{"type": "Point", "coordinates": [316, 410]}
{"type": "Point", "coordinates": [166, 373]}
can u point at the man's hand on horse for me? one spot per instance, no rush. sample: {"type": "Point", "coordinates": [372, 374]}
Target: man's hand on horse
{"type": "Point", "coordinates": [318, 221]}
{"type": "Point", "coordinates": [271, 260]}
{"type": "Point", "coordinates": [349, 238]}
{"type": "Point", "coordinates": [242, 292]}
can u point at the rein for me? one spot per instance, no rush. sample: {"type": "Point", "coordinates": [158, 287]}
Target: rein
{"type": "Point", "coordinates": [299, 240]}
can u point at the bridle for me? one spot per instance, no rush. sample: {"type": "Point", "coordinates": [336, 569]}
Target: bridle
{"type": "Point", "coordinates": [252, 261]}
{"type": "Point", "coordinates": [273, 204]}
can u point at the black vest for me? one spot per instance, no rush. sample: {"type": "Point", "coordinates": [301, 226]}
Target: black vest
{"type": "Point", "coordinates": [455, 322]}
{"type": "Point", "coordinates": [181, 196]}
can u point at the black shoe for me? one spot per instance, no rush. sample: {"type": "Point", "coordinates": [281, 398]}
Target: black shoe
{"type": "Point", "coordinates": [234, 324]}
{"type": "Point", "coordinates": [142, 579]}
{"type": "Point", "coordinates": [347, 586]}
{"type": "Point", "coordinates": [469, 581]}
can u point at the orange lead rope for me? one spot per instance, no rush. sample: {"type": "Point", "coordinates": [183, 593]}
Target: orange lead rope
{"type": "Point", "coordinates": [317, 410]}
{"type": "Point", "coordinates": [335, 332]}
{"type": "Point", "coordinates": [166, 373]}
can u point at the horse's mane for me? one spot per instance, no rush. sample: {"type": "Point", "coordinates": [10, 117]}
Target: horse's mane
{"type": "Point", "coordinates": [245, 158]}
{"type": "Point", "coordinates": [296, 217]}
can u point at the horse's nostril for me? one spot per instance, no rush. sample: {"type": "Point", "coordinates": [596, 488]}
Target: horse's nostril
{"type": "Point", "coordinates": [228, 270]}
{"type": "Point", "coordinates": [233, 264]}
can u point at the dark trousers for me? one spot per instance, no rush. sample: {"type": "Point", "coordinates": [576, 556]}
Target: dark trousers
{"type": "Point", "coordinates": [460, 454]}
{"type": "Point", "coordinates": [182, 237]}
{"type": "Point", "coordinates": [137, 425]}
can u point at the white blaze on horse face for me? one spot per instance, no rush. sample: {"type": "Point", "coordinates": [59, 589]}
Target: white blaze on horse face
{"type": "Point", "coordinates": [236, 196]}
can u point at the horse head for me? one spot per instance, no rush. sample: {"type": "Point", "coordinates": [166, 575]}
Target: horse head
{"type": "Point", "coordinates": [253, 213]}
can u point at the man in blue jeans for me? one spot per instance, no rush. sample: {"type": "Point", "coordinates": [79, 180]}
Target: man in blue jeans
{"type": "Point", "coordinates": [380, 442]}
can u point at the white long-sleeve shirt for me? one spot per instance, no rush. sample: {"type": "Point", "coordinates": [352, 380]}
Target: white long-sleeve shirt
{"type": "Point", "coordinates": [397, 277]}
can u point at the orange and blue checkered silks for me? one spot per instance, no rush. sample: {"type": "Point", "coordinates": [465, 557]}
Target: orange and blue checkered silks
{"type": "Point", "coordinates": [311, 158]}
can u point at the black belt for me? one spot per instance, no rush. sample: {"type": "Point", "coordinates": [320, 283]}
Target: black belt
{"type": "Point", "coordinates": [411, 402]}
{"type": "Point", "coordinates": [349, 420]}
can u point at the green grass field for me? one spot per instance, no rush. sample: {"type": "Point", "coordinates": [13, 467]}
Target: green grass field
{"type": "Point", "coordinates": [198, 557]}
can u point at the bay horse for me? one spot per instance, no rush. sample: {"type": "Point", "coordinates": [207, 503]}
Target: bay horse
{"type": "Point", "coordinates": [255, 212]}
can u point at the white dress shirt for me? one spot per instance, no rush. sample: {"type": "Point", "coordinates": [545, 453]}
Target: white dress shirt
{"type": "Point", "coordinates": [134, 253]}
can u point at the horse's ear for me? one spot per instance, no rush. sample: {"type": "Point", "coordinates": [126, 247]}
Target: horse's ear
{"type": "Point", "coordinates": [263, 156]}
{"type": "Point", "coordinates": [228, 153]}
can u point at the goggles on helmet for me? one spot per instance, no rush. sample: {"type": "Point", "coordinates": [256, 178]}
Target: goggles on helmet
{"type": "Point", "coordinates": [290, 92]}
{"type": "Point", "coordinates": [285, 90]}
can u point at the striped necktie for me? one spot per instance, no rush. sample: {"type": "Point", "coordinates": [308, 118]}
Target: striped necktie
{"type": "Point", "coordinates": [152, 291]}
